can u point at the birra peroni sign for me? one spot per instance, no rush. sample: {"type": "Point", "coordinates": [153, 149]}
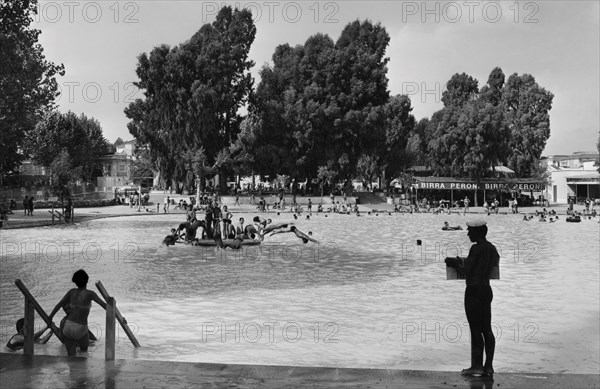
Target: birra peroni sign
{"type": "Point", "coordinates": [481, 186]}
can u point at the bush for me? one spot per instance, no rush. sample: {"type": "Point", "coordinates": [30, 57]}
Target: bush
{"type": "Point", "coordinates": [77, 203]}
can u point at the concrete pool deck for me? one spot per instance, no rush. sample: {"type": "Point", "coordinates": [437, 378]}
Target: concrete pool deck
{"type": "Point", "coordinates": [41, 371]}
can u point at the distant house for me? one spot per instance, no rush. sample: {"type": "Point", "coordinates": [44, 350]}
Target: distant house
{"type": "Point", "coordinates": [28, 168]}
{"type": "Point", "coordinates": [574, 175]}
{"type": "Point", "coordinates": [116, 168]}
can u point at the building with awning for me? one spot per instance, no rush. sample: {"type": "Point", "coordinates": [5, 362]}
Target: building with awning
{"type": "Point", "coordinates": [587, 185]}
{"type": "Point", "coordinates": [503, 188]}
{"type": "Point", "coordinates": [573, 176]}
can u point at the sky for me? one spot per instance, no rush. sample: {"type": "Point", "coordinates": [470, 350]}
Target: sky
{"type": "Point", "coordinates": [558, 42]}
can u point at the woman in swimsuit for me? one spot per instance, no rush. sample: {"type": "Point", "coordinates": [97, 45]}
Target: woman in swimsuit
{"type": "Point", "coordinates": [80, 299]}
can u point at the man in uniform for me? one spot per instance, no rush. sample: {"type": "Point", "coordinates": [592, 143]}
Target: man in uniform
{"type": "Point", "coordinates": [481, 265]}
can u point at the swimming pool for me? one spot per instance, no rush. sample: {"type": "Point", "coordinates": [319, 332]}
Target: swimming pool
{"type": "Point", "coordinates": [367, 296]}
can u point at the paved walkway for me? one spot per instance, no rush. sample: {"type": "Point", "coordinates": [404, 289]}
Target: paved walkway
{"type": "Point", "coordinates": [40, 371]}
{"type": "Point", "coordinates": [42, 217]}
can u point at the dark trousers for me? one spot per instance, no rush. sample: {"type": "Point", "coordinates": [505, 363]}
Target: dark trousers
{"type": "Point", "coordinates": [478, 307]}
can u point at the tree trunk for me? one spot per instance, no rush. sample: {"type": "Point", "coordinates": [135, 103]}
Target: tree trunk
{"type": "Point", "coordinates": [198, 189]}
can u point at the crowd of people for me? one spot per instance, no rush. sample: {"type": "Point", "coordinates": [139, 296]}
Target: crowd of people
{"type": "Point", "coordinates": [218, 225]}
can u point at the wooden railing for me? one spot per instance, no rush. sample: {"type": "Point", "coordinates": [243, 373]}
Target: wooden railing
{"type": "Point", "coordinates": [112, 313]}
{"type": "Point", "coordinates": [30, 305]}
{"type": "Point", "coordinates": [62, 217]}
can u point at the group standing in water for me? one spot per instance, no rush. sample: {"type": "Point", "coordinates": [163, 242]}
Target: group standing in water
{"type": "Point", "coordinates": [218, 225]}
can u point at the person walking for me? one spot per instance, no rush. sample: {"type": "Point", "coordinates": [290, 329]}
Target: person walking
{"type": "Point", "coordinates": [31, 206]}
{"type": "Point", "coordinates": [25, 205]}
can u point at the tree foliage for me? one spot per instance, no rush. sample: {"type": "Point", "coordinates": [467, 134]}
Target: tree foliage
{"type": "Point", "coordinates": [28, 86]}
{"type": "Point", "coordinates": [79, 136]}
{"type": "Point", "coordinates": [503, 123]}
{"type": "Point", "coordinates": [193, 92]}
{"type": "Point", "coordinates": [399, 123]}
{"type": "Point", "coordinates": [368, 168]}
{"type": "Point", "coordinates": [527, 106]}
{"type": "Point", "coordinates": [63, 174]}
{"type": "Point", "coordinates": [321, 104]}
{"type": "Point", "coordinates": [142, 169]}
{"type": "Point", "coordinates": [598, 147]}
{"type": "Point", "coordinates": [418, 139]}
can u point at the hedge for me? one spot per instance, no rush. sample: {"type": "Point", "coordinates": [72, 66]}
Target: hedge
{"type": "Point", "coordinates": [77, 203]}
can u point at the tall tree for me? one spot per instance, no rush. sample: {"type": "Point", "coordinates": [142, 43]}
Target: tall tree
{"type": "Point", "coordinates": [193, 92]}
{"type": "Point", "coordinates": [242, 152]}
{"type": "Point", "coordinates": [417, 142]}
{"type": "Point", "coordinates": [446, 147]}
{"type": "Point", "coordinates": [320, 103]}
{"type": "Point", "coordinates": [359, 88]}
{"type": "Point", "coordinates": [398, 125]}
{"type": "Point", "coordinates": [527, 114]}
{"type": "Point", "coordinates": [485, 138]}
{"type": "Point", "coordinates": [28, 85]}
{"type": "Point", "coordinates": [469, 133]}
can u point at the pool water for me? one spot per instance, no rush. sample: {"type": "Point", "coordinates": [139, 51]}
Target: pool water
{"type": "Point", "coordinates": [366, 296]}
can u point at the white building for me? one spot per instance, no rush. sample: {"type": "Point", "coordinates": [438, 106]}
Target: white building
{"type": "Point", "coordinates": [574, 175]}
{"type": "Point", "coordinates": [116, 168]}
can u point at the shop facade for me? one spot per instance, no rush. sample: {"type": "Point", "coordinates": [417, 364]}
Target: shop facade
{"type": "Point", "coordinates": [436, 189]}
{"type": "Point", "coordinates": [573, 176]}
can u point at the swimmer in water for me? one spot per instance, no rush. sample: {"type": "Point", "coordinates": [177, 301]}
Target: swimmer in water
{"type": "Point", "coordinates": [171, 239]}
{"type": "Point", "coordinates": [448, 227]}
{"type": "Point", "coordinates": [17, 341]}
{"type": "Point", "coordinates": [305, 238]}
{"type": "Point", "coordinates": [275, 226]}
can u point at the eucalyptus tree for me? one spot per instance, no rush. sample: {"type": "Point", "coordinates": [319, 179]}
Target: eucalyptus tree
{"type": "Point", "coordinates": [193, 92]}
{"type": "Point", "coordinates": [399, 123]}
{"type": "Point", "coordinates": [527, 106]}
{"type": "Point", "coordinates": [321, 103]}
